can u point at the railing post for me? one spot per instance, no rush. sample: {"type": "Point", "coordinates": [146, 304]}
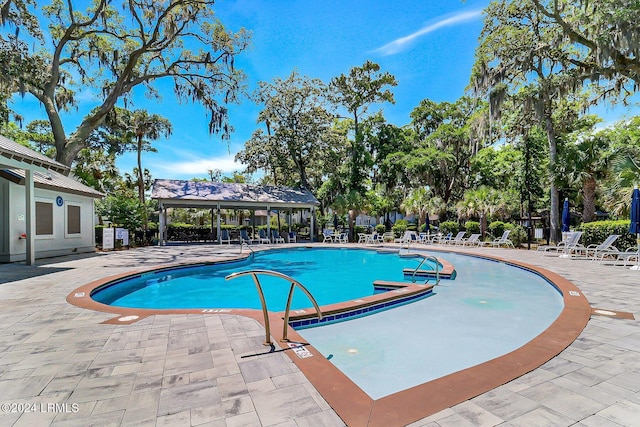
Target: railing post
{"type": "Point", "coordinates": [263, 302]}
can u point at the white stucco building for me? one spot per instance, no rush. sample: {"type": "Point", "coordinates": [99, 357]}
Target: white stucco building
{"type": "Point", "coordinates": [43, 212]}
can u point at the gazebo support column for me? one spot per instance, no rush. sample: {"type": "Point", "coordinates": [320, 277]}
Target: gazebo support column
{"type": "Point", "coordinates": [218, 222]}
{"type": "Point", "coordinates": [312, 223]}
{"type": "Point", "coordinates": [162, 225]}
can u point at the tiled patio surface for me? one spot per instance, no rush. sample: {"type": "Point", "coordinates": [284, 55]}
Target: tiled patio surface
{"type": "Point", "coordinates": [60, 366]}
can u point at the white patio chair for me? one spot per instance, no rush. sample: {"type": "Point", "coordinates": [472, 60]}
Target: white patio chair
{"type": "Point", "coordinates": [473, 240]}
{"type": "Point", "coordinates": [457, 240]}
{"type": "Point", "coordinates": [502, 241]}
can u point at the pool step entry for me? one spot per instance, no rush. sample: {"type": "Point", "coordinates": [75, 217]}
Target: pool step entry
{"type": "Point", "coordinates": [442, 270]}
{"type": "Point", "coordinates": [428, 274]}
{"type": "Point", "coordinates": [395, 294]}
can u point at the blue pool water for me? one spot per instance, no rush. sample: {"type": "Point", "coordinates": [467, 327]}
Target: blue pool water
{"type": "Point", "coordinates": [490, 309]}
{"type": "Point", "coordinates": [331, 275]}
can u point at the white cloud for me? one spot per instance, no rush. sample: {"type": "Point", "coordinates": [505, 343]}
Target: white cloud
{"type": "Point", "coordinates": [402, 43]}
{"type": "Point", "coordinates": [194, 167]}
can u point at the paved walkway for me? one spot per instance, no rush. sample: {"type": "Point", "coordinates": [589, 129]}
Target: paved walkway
{"type": "Point", "coordinates": [60, 366]}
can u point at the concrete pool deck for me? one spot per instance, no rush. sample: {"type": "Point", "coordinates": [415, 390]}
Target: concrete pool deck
{"type": "Point", "coordinates": [187, 369]}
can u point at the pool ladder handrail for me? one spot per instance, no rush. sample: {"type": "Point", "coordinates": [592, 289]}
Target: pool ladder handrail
{"type": "Point", "coordinates": [265, 311]}
{"type": "Point", "coordinates": [424, 258]}
{"type": "Point", "coordinates": [243, 244]}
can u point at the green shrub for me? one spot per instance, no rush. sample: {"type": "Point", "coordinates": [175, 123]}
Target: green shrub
{"type": "Point", "coordinates": [594, 233]}
{"type": "Point", "coordinates": [496, 228]}
{"type": "Point", "coordinates": [449, 227]}
{"type": "Point", "coordinates": [518, 235]}
{"type": "Point", "coordinates": [380, 228]}
{"type": "Point", "coordinates": [400, 227]}
{"type": "Point", "coordinates": [472, 227]}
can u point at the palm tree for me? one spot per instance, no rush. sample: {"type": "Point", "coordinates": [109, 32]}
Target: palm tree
{"type": "Point", "coordinates": [417, 202]}
{"type": "Point", "coordinates": [586, 163]}
{"type": "Point", "coordinates": [134, 132]}
{"type": "Point", "coordinates": [481, 202]}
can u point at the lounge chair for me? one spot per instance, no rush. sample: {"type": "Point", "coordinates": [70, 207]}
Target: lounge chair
{"type": "Point", "coordinates": [442, 239]}
{"type": "Point", "coordinates": [224, 236]}
{"type": "Point", "coordinates": [473, 240]}
{"type": "Point", "coordinates": [275, 237]}
{"type": "Point", "coordinates": [618, 257]}
{"type": "Point", "coordinates": [362, 238]}
{"type": "Point", "coordinates": [502, 241]}
{"type": "Point", "coordinates": [571, 246]}
{"type": "Point", "coordinates": [263, 237]}
{"type": "Point", "coordinates": [292, 237]}
{"type": "Point", "coordinates": [456, 240]}
{"type": "Point", "coordinates": [604, 249]}
{"type": "Point", "coordinates": [244, 237]}
{"type": "Point", "coordinates": [569, 239]}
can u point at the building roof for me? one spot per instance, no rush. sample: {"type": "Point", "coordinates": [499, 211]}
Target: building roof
{"type": "Point", "coordinates": [179, 193]}
{"type": "Point", "coordinates": [18, 153]}
{"type": "Point", "coordinates": [51, 180]}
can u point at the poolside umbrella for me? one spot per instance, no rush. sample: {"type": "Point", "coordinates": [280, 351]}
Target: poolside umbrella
{"type": "Point", "coordinates": [634, 227]}
{"type": "Point", "coordinates": [566, 216]}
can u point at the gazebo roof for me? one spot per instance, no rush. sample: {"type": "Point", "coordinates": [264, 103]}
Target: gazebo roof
{"type": "Point", "coordinates": [179, 193]}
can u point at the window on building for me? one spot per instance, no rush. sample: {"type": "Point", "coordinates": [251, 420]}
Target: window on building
{"type": "Point", "coordinates": [44, 218]}
{"type": "Point", "coordinates": [73, 219]}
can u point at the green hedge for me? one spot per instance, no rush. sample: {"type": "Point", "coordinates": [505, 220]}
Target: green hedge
{"type": "Point", "coordinates": [449, 227]}
{"type": "Point", "coordinates": [496, 228]}
{"type": "Point", "coordinates": [400, 227]}
{"type": "Point", "coordinates": [594, 233]}
{"type": "Point", "coordinates": [472, 227]}
{"type": "Point", "coordinates": [518, 235]}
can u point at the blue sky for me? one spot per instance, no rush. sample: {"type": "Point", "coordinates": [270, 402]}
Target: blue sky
{"type": "Point", "coordinates": [427, 45]}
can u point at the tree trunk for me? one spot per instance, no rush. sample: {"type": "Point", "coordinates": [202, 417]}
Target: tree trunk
{"type": "Point", "coordinates": [352, 220]}
{"type": "Point", "coordinates": [145, 220]}
{"type": "Point", "coordinates": [554, 212]}
{"type": "Point", "coordinates": [589, 200]}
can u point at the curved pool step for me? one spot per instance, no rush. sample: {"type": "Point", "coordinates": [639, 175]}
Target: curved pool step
{"type": "Point", "coordinates": [430, 274]}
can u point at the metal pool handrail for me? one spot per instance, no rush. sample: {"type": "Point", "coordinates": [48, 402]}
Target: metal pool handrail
{"type": "Point", "coordinates": [243, 244]}
{"type": "Point", "coordinates": [424, 258]}
{"type": "Point", "coordinates": [294, 283]}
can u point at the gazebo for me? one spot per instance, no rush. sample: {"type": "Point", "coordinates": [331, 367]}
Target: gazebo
{"type": "Point", "coordinates": [172, 193]}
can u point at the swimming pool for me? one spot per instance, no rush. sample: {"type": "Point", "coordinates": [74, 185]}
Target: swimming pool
{"type": "Point", "coordinates": [489, 310]}
{"type": "Point", "coordinates": [357, 407]}
{"type": "Point", "coordinates": [331, 275]}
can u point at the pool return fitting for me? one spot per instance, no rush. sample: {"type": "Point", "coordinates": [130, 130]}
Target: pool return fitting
{"type": "Point", "coordinates": [265, 312]}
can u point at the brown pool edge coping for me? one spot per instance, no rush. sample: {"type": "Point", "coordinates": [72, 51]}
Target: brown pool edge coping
{"type": "Point", "coordinates": [352, 404]}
